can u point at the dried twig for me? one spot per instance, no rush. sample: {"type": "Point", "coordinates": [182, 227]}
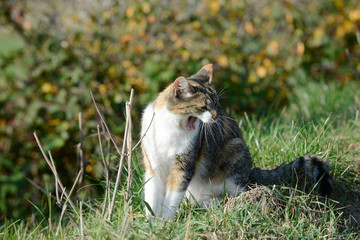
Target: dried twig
{"type": "Point", "coordinates": [49, 219]}
{"type": "Point", "coordinates": [128, 206]}
{"type": "Point", "coordinates": [129, 148]}
{"type": "Point", "coordinates": [67, 196]}
{"type": "Point", "coordinates": [106, 173]}
{"type": "Point", "coordinates": [81, 223]}
{"type": "Point", "coordinates": [106, 127]}
{"type": "Point", "coordinates": [66, 201]}
{"type": "Point", "coordinates": [58, 200]}
{"type": "Point", "coordinates": [52, 167]}
{"type": "Point", "coordinates": [52, 196]}
{"type": "Point", "coordinates": [122, 155]}
{"type": "Point", "coordinates": [63, 208]}
{"type": "Point", "coordinates": [147, 129]}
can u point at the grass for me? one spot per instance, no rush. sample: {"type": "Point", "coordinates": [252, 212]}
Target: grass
{"type": "Point", "coordinates": [321, 119]}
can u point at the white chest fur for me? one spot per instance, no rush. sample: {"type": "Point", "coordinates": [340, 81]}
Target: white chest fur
{"type": "Point", "coordinates": [166, 136]}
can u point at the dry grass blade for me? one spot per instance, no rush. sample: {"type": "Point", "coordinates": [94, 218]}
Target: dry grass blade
{"type": "Point", "coordinates": [52, 196]}
{"type": "Point", "coordinates": [53, 169]}
{"type": "Point", "coordinates": [58, 200]}
{"type": "Point", "coordinates": [129, 148]}
{"type": "Point", "coordinates": [63, 208]}
{"type": "Point", "coordinates": [147, 129]}
{"type": "Point", "coordinates": [63, 188]}
{"type": "Point", "coordinates": [66, 201]}
{"type": "Point", "coordinates": [81, 222]}
{"type": "Point", "coordinates": [106, 173]}
{"type": "Point", "coordinates": [105, 125]}
{"type": "Point", "coordinates": [122, 155]}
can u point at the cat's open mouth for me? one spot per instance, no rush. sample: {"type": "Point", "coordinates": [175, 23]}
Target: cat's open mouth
{"type": "Point", "coordinates": [190, 123]}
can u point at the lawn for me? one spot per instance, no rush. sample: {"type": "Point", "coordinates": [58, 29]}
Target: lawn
{"type": "Point", "coordinates": [320, 119]}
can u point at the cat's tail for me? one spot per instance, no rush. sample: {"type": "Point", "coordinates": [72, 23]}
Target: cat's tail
{"type": "Point", "coordinates": [312, 165]}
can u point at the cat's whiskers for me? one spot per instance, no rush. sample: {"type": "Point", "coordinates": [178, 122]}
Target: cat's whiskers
{"type": "Point", "coordinates": [227, 117]}
{"type": "Point", "coordinates": [211, 131]}
{"type": "Point", "coordinates": [205, 134]}
{"type": "Point", "coordinates": [222, 93]}
{"type": "Point", "coordinates": [220, 128]}
{"type": "Point", "coordinates": [221, 118]}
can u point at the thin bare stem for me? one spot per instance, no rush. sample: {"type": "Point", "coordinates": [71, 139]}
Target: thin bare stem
{"type": "Point", "coordinates": [81, 223]}
{"type": "Point", "coordinates": [61, 217]}
{"type": "Point", "coordinates": [49, 219]}
{"type": "Point", "coordinates": [147, 129]}
{"type": "Point", "coordinates": [81, 148]}
{"type": "Point", "coordinates": [129, 148]}
{"type": "Point", "coordinates": [122, 155]}
{"type": "Point", "coordinates": [56, 183]}
{"type": "Point", "coordinates": [66, 201]}
{"type": "Point", "coordinates": [106, 172]}
{"type": "Point", "coordinates": [106, 127]}
{"type": "Point", "coordinates": [67, 196]}
{"type": "Point", "coordinates": [52, 196]}
{"type": "Point", "coordinates": [74, 184]}
{"type": "Point", "coordinates": [52, 167]}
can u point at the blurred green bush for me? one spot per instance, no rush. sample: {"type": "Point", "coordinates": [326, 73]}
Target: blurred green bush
{"type": "Point", "coordinates": [261, 50]}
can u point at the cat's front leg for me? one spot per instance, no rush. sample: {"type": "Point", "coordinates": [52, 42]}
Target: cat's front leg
{"type": "Point", "coordinates": [154, 185]}
{"type": "Point", "coordinates": [178, 181]}
{"type": "Point", "coordinates": [154, 191]}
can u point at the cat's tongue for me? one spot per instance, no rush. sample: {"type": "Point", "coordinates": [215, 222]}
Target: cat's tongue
{"type": "Point", "coordinates": [190, 123]}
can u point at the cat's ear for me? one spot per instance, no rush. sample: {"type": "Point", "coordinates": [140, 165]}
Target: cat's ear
{"type": "Point", "coordinates": [181, 87]}
{"type": "Point", "coordinates": [205, 74]}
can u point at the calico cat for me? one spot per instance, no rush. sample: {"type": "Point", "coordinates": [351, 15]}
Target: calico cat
{"type": "Point", "coordinates": [192, 147]}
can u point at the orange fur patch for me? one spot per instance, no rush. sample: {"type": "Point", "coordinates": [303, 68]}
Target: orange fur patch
{"type": "Point", "coordinates": [175, 179]}
{"type": "Point", "coordinates": [161, 99]}
{"type": "Point", "coordinates": [147, 165]}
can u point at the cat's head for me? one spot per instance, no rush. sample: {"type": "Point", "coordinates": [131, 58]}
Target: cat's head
{"type": "Point", "coordinates": [195, 98]}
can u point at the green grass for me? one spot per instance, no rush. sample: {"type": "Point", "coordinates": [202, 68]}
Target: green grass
{"type": "Point", "coordinates": [321, 119]}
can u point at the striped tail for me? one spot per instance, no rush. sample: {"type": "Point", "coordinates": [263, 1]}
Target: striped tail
{"type": "Point", "coordinates": [312, 165]}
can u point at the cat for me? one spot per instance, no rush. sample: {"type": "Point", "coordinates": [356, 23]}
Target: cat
{"type": "Point", "coordinates": [192, 147]}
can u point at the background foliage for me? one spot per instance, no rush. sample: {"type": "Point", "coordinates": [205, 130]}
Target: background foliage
{"type": "Point", "coordinates": [53, 52]}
